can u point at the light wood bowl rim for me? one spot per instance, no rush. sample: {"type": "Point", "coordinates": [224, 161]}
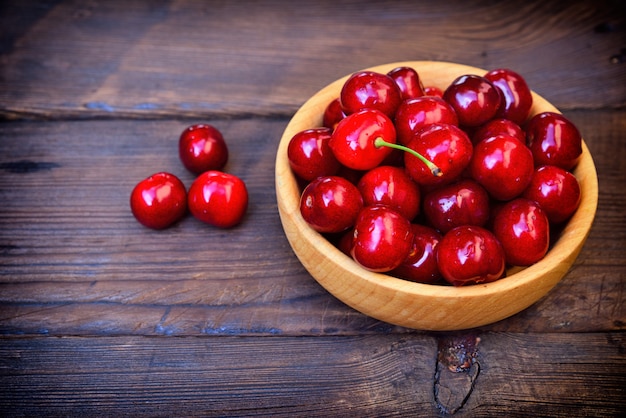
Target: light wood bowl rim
{"type": "Point", "coordinates": [416, 305]}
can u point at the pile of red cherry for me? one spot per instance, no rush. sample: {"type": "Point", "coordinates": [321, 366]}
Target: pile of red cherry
{"type": "Point", "coordinates": [432, 186]}
{"type": "Point", "coordinates": [215, 197]}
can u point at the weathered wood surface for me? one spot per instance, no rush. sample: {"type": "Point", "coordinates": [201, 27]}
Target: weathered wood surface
{"type": "Point", "coordinates": [76, 261]}
{"type": "Point", "coordinates": [93, 96]}
{"type": "Point", "coordinates": [364, 376]}
{"type": "Point", "coordinates": [190, 58]}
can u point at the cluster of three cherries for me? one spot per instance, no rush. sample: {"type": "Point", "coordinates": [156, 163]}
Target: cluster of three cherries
{"type": "Point", "coordinates": [215, 197]}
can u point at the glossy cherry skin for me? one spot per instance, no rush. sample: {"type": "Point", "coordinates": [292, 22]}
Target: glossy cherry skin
{"type": "Point", "coordinates": [382, 238]}
{"type": "Point", "coordinates": [391, 186]}
{"type": "Point", "coordinates": [332, 114]}
{"type": "Point", "coordinates": [474, 99]}
{"type": "Point", "coordinates": [370, 90]}
{"type": "Point", "coordinates": [464, 202]}
{"type": "Point", "coordinates": [408, 81]}
{"type": "Point", "coordinates": [433, 91]}
{"type": "Point", "coordinates": [421, 263]}
{"type": "Point", "coordinates": [445, 145]}
{"type": "Point", "coordinates": [502, 165]}
{"type": "Point", "coordinates": [344, 242]}
{"type": "Point", "coordinates": [554, 140]}
{"type": "Point", "coordinates": [330, 204]}
{"type": "Point", "coordinates": [470, 255]}
{"type": "Point", "coordinates": [218, 199]}
{"type": "Point", "coordinates": [523, 229]}
{"type": "Point", "coordinates": [556, 191]}
{"type": "Point", "coordinates": [310, 155]}
{"type": "Point", "coordinates": [352, 142]}
{"type": "Point", "coordinates": [517, 100]}
{"type": "Point", "coordinates": [201, 147]}
{"type": "Point", "coordinates": [159, 201]}
{"type": "Point", "coordinates": [413, 115]}
{"type": "Point", "coordinates": [498, 127]}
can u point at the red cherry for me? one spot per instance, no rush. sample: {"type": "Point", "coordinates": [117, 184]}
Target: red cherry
{"type": "Point", "coordinates": [556, 191]}
{"type": "Point", "coordinates": [474, 99]}
{"type": "Point", "coordinates": [517, 99]}
{"type": "Point", "coordinates": [523, 229]}
{"type": "Point", "coordinates": [353, 176]}
{"type": "Point", "coordinates": [310, 155]}
{"type": "Point", "coordinates": [408, 81]}
{"type": "Point", "coordinates": [413, 115]}
{"type": "Point", "coordinates": [159, 200]}
{"type": "Point", "coordinates": [421, 263]}
{"type": "Point", "coordinates": [201, 148]}
{"type": "Point", "coordinates": [333, 114]}
{"type": "Point", "coordinates": [433, 91]}
{"type": "Point", "coordinates": [498, 127]}
{"type": "Point", "coordinates": [330, 204]}
{"type": "Point", "coordinates": [218, 199]}
{"type": "Point", "coordinates": [344, 243]}
{"type": "Point", "coordinates": [447, 146]}
{"type": "Point", "coordinates": [352, 142]}
{"type": "Point", "coordinates": [382, 238]}
{"type": "Point", "coordinates": [553, 140]}
{"type": "Point", "coordinates": [462, 203]}
{"type": "Point", "coordinates": [393, 187]}
{"type": "Point", "coordinates": [502, 165]}
{"type": "Point", "coordinates": [470, 255]}
{"type": "Point", "coordinates": [370, 90]}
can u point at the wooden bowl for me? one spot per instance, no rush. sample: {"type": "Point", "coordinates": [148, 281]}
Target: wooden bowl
{"type": "Point", "coordinates": [415, 305]}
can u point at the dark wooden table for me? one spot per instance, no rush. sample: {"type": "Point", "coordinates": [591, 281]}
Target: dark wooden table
{"type": "Point", "coordinates": [101, 316]}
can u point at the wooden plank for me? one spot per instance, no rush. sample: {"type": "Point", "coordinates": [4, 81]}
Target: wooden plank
{"type": "Point", "coordinates": [550, 375]}
{"type": "Point", "coordinates": [74, 260]}
{"type": "Point", "coordinates": [147, 59]}
{"type": "Point", "coordinates": [383, 375]}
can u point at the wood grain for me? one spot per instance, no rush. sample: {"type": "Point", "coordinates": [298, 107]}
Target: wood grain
{"type": "Point", "coordinates": [100, 316]}
{"type": "Point", "coordinates": [169, 59]}
{"type": "Point", "coordinates": [382, 375]}
{"type": "Point", "coordinates": [74, 260]}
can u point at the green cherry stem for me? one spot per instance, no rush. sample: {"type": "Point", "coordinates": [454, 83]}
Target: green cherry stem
{"type": "Point", "coordinates": [379, 142]}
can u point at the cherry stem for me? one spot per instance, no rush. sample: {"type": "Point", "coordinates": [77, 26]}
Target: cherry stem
{"type": "Point", "coordinates": [379, 142]}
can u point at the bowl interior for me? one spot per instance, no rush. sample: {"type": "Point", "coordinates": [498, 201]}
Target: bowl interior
{"type": "Point", "coordinates": [416, 305]}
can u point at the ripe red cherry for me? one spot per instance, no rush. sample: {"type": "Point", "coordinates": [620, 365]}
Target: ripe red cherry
{"type": "Point", "coordinates": [332, 114]}
{"type": "Point", "coordinates": [516, 96]}
{"type": "Point", "coordinates": [421, 263]}
{"type": "Point", "coordinates": [497, 127]}
{"type": "Point", "coordinates": [554, 140]}
{"type": "Point", "coordinates": [352, 142]}
{"type": "Point", "coordinates": [370, 90]}
{"type": "Point", "coordinates": [474, 99]}
{"type": "Point", "coordinates": [523, 229]}
{"type": "Point", "coordinates": [470, 255]}
{"type": "Point", "coordinates": [382, 238]}
{"type": "Point", "coordinates": [159, 200]}
{"type": "Point", "coordinates": [445, 145]}
{"type": "Point", "coordinates": [408, 81]}
{"type": "Point", "coordinates": [218, 199]}
{"type": "Point", "coordinates": [310, 155]}
{"type": "Point", "coordinates": [201, 148]}
{"type": "Point", "coordinates": [330, 204]}
{"type": "Point", "coordinates": [393, 187]}
{"type": "Point", "coordinates": [462, 203]}
{"type": "Point", "coordinates": [433, 91]}
{"type": "Point", "coordinates": [344, 242]}
{"type": "Point", "coordinates": [502, 165]}
{"type": "Point", "coordinates": [556, 191]}
{"type": "Point", "coordinates": [413, 115]}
